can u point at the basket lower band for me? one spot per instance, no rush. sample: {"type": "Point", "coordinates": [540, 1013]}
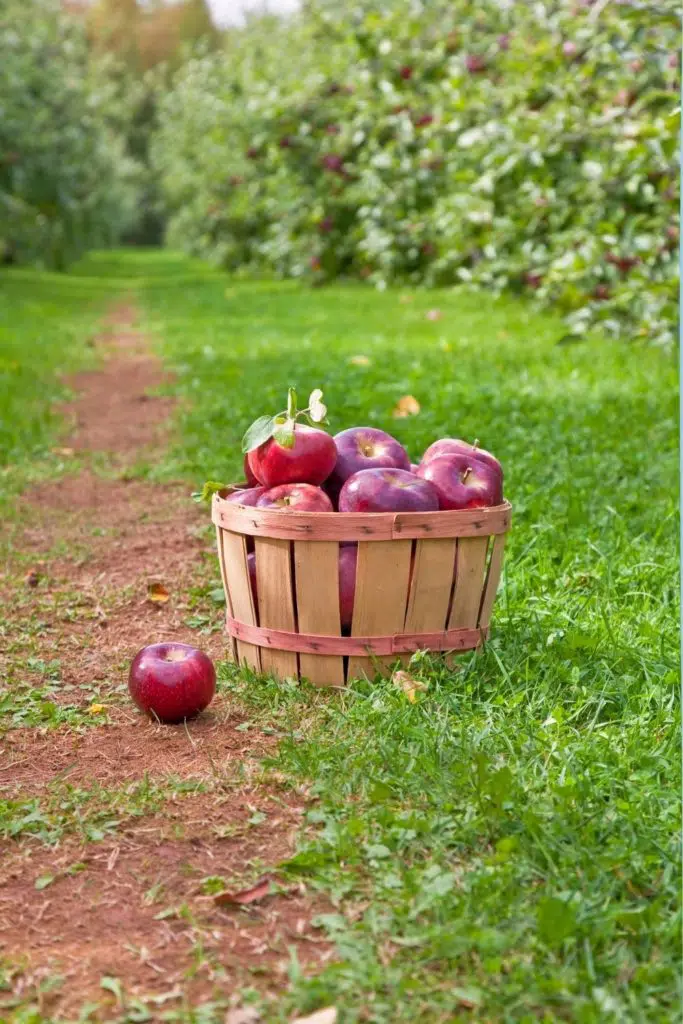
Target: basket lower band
{"type": "Point", "coordinates": [312, 643]}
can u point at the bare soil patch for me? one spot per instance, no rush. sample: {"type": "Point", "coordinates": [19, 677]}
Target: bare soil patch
{"type": "Point", "coordinates": [94, 543]}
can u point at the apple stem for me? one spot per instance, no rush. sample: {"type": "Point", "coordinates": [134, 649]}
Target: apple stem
{"type": "Point", "coordinates": [291, 404]}
{"type": "Point", "coordinates": [466, 473]}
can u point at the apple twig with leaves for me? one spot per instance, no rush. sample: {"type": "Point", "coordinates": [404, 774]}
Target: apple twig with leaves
{"type": "Point", "coordinates": [281, 426]}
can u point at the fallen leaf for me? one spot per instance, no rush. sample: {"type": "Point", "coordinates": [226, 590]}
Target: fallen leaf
{"type": "Point", "coordinates": [66, 452]}
{"type": "Point", "coordinates": [32, 578]}
{"type": "Point", "coordinates": [157, 593]}
{"type": "Point", "coordinates": [434, 314]}
{"type": "Point", "coordinates": [243, 1015]}
{"type": "Point", "coordinates": [245, 896]}
{"type": "Point", "coordinates": [359, 361]}
{"type": "Point", "coordinates": [96, 709]}
{"type": "Point", "coordinates": [327, 1016]}
{"type": "Point", "coordinates": [409, 685]}
{"type": "Point", "coordinates": [406, 406]}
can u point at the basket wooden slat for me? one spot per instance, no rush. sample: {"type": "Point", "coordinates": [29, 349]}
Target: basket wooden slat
{"type": "Point", "coordinates": [492, 580]}
{"type": "Point", "coordinates": [316, 571]}
{"type": "Point", "coordinates": [423, 581]}
{"type": "Point", "coordinates": [469, 580]}
{"type": "Point", "coordinates": [431, 586]}
{"type": "Point", "coordinates": [275, 600]}
{"type": "Point", "coordinates": [239, 595]}
{"type": "Point", "coordinates": [382, 577]}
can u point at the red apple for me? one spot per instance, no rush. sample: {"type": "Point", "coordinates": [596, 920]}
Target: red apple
{"type": "Point", "coordinates": [454, 446]}
{"type": "Point", "coordinates": [171, 681]}
{"type": "Point", "coordinates": [249, 474]}
{"type": "Point", "coordinates": [251, 565]}
{"type": "Point", "coordinates": [387, 490]}
{"type": "Point", "coordinates": [245, 496]}
{"type": "Point", "coordinates": [302, 497]}
{"type": "Point", "coordinates": [463, 482]}
{"type": "Point", "coordinates": [414, 466]}
{"type": "Point", "coordinates": [348, 556]}
{"type": "Point", "coordinates": [364, 448]}
{"type": "Point", "coordinates": [310, 460]}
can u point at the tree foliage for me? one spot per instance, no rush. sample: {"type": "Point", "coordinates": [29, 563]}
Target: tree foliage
{"type": "Point", "coordinates": [66, 183]}
{"type": "Point", "coordinates": [525, 146]}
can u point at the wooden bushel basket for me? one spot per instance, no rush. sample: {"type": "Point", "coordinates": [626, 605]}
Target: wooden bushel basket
{"type": "Point", "coordinates": [424, 580]}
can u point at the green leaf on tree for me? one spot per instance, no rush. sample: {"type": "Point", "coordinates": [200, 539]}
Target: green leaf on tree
{"type": "Point", "coordinates": [258, 433]}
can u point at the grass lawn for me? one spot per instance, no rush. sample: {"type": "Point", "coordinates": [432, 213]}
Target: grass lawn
{"type": "Point", "coordinates": [506, 848]}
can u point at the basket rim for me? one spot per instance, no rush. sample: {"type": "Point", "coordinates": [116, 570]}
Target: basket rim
{"type": "Point", "coordinates": [287, 524]}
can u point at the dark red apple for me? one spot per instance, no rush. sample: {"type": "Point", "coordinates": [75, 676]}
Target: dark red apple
{"type": "Point", "coordinates": [172, 681]}
{"type": "Point", "coordinates": [463, 482]}
{"type": "Point", "coordinates": [302, 497]}
{"type": "Point", "coordinates": [245, 496]}
{"type": "Point", "coordinates": [348, 557]}
{"type": "Point", "coordinates": [455, 446]}
{"type": "Point", "coordinates": [414, 466]}
{"type": "Point", "coordinates": [364, 448]}
{"type": "Point", "coordinates": [387, 490]}
{"type": "Point", "coordinates": [249, 473]}
{"type": "Point", "coordinates": [251, 564]}
{"type": "Point", "coordinates": [310, 460]}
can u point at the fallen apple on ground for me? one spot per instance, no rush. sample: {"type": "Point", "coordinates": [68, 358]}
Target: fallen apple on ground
{"type": "Point", "coordinates": [387, 490]}
{"type": "Point", "coordinates": [171, 681]}
{"type": "Point", "coordinates": [463, 482]}
{"type": "Point", "coordinates": [302, 497]}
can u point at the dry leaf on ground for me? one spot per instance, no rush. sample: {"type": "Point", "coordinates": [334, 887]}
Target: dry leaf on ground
{"type": "Point", "coordinates": [359, 361]}
{"type": "Point", "coordinates": [245, 896]}
{"type": "Point", "coordinates": [407, 405]}
{"type": "Point", "coordinates": [327, 1016]}
{"type": "Point", "coordinates": [32, 578]}
{"type": "Point", "coordinates": [408, 684]}
{"type": "Point", "coordinates": [157, 593]}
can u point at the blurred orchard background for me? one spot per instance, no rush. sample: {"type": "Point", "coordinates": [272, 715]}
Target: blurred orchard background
{"type": "Point", "coordinates": [524, 146]}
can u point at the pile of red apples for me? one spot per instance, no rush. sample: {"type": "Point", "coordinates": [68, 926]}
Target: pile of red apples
{"type": "Point", "coordinates": [300, 467]}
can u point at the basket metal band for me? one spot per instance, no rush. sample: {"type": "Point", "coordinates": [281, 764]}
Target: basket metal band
{"type": "Point", "coordinates": [312, 643]}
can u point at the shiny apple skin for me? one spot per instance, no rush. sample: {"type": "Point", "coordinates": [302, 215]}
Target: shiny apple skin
{"type": "Point", "coordinates": [348, 558]}
{"type": "Point", "coordinates": [310, 460]}
{"type": "Point", "coordinates": [455, 446]}
{"type": "Point", "coordinates": [298, 497]}
{"type": "Point", "coordinates": [387, 490]}
{"type": "Point", "coordinates": [462, 482]}
{"type": "Point", "coordinates": [171, 681]}
{"type": "Point", "coordinates": [247, 496]}
{"type": "Point", "coordinates": [364, 448]}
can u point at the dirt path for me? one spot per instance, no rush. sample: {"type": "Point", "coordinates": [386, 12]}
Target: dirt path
{"type": "Point", "coordinates": [132, 905]}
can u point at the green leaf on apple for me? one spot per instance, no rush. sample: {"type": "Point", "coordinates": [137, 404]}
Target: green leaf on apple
{"type": "Point", "coordinates": [258, 433]}
{"type": "Point", "coordinates": [208, 490]}
{"type": "Point", "coordinates": [283, 432]}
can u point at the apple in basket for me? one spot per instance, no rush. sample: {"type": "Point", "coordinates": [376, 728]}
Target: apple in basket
{"type": "Point", "coordinates": [280, 450]}
{"type": "Point", "coordinates": [388, 490]}
{"type": "Point", "coordinates": [463, 482]}
{"type": "Point", "coordinates": [299, 497]}
{"type": "Point", "coordinates": [364, 448]}
{"type": "Point", "coordinates": [245, 496]}
{"type": "Point", "coordinates": [348, 557]}
{"type": "Point", "coordinates": [171, 681]}
{"type": "Point", "coordinates": [454, 446]}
